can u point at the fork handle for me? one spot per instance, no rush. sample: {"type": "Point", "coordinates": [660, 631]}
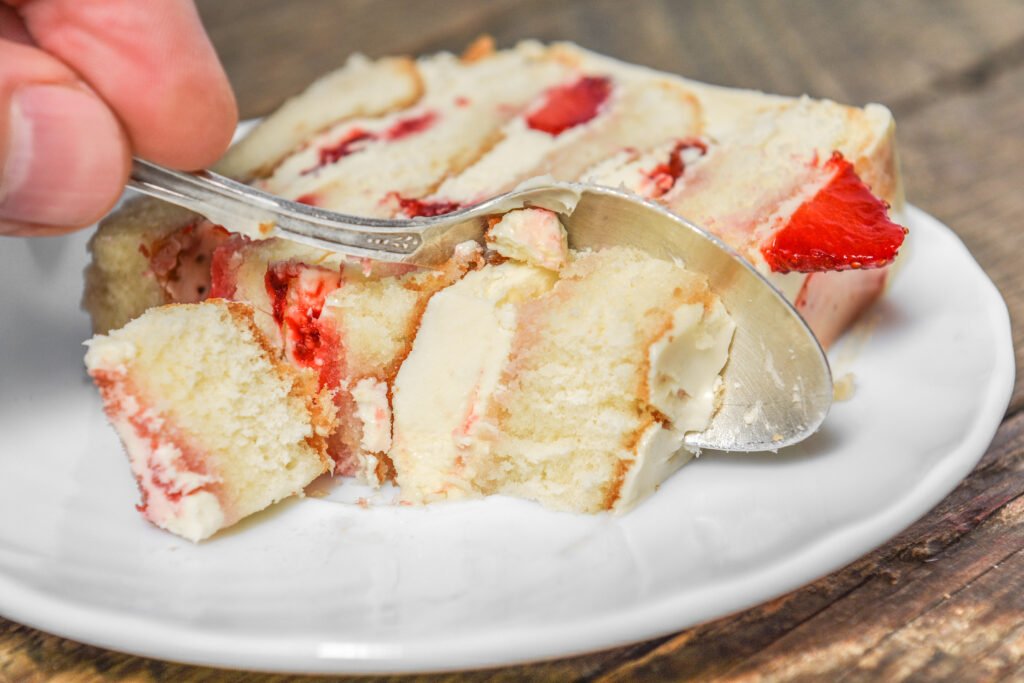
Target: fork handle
{"type": "Point", "coordinates": [239, 206]}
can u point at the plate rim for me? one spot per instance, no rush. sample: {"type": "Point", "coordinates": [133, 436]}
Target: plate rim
{"type": "Point", "coordinates": [141, 636]}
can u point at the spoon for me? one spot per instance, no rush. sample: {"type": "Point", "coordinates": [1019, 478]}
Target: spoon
{"type": "Point", "coordinates": [777, 382]}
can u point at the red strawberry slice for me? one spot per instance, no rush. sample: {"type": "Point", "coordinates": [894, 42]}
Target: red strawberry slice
{"type": "Point", "coordinates": [842, 227]}
{"type": "Point", "coordinates": [567, 106]}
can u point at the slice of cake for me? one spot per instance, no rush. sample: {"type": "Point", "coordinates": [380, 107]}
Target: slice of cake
{"type": "Point", "coordinates": [215, 426]}
{"type": "Point", "coordinates": [519, 369]}
{"type": "Point", "coordinates": [573, 388]}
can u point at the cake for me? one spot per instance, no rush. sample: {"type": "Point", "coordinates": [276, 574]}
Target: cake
{"type": "Point", "coordinates": [569, 381]}
{"type": "Point", "coordinates": [402, 138]}
{"type": "Point", "coordinates": [198, 469]}
{"type": "Point", "coordinates": [799, 187]}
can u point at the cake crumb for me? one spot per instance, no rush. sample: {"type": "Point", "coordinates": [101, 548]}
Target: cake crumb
{"type": "Point", "coordinates": [844, 388]}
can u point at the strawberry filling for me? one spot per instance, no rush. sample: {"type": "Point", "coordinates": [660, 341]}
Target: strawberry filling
{"type": "Point", "coordinates": [180, 261]}
{"type": "Point", "coordinates": [664, 176]}
{"type": "Point", "coordinates": [224, 264]}
{"type": "Point", "coordinates": [842, 227]}
{"type": "Point", "coordinates": [568, 106]}
{"type": "Point", "coordinates": [297, 293]}
{"type": "Point", "coordinates": [419, 207]}
{"type": "Point", "coordinates": [357, 139]}
{"type": "Point", "coordinates": [410, 125]}
{"type": "Point", "coordinates": [353, 141]}
{"type": "Point", "coordinates": [156, 477]}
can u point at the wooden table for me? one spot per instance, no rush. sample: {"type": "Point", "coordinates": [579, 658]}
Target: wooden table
{"type": "Point", "coordinates": [944, 600]}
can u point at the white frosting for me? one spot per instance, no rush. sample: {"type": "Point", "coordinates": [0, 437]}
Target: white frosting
{"type": "Point", "coordinates": [686, 362]}
{"type": "Point", "coordinates": [466, 252]}
{"type": "Point", "coordinates": [374, 411]}
{"type": "Point", "coordinates": [173, 494]}
{"type": "Point", "coordinates": [659, 453]}
{"type": "Point", "coordinates": [533, 236]}
{"type": "Point", "coordinates": [197, 514]}
{"type": "Point", "coordinates": [454, 366]}
{"type": "Point", "coordinates": [511, 161]}
{"type": "Point", "coordinates": [685, 384]}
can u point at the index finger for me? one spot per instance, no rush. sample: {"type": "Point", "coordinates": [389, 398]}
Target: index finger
{"type": "Point", "coordinates": [154, 66]}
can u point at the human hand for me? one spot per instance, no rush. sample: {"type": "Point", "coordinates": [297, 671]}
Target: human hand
{"type": "Point", "coordinates": [84, 84]}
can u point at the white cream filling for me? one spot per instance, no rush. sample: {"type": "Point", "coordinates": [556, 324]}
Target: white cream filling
{"type": "Point", "coordinates": [685, 384]}
{"type": "Point", "coordinates": [196, 514]}
{"type": "Point", "coordinates": [442, 389]}
{"type": "Point", "coordinates": [686, 364]}
{"type": "Point", "coordinates": [533, 236]}
{"type": "Point", "coordinates": [659, 453]}
{"type": "Point", "coordinates": [199, 516]}
{"type": "Point", "coordinates": [374, 412]}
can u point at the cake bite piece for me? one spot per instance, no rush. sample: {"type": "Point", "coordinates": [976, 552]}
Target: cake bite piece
{"type": "Point", "coordinates": [170, 378]}
{"type": "Point", "coordinates": [571, 385]}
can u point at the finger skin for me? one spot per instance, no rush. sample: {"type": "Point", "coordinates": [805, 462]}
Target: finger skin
{"type": "Point", "coordinates": [115, 75]}
{"type": "Point", "coordinates": [64, 158]}
{"type": "Point", "coordinates": [12, 28]}
{"type": "Point", "coordinates": [8, 229]}
{"type": "Point", "coordinates": [153, 64]}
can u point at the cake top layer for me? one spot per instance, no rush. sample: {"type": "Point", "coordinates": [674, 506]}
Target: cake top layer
{"type": "Point", "coordinates": [446, 132]}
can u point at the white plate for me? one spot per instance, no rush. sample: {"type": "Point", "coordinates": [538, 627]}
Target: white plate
{"type": "Point", "coordinates": [316, 585]}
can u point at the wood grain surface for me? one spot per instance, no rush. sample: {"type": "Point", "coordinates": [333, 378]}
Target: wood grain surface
{"type": "Point", "coordinates": [944, 600]}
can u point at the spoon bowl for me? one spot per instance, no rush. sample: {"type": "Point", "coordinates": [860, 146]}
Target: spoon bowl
{"type": "Point", "coordinates": [777, 382]}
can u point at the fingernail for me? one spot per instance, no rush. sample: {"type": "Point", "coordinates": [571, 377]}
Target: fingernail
{"type": "Point", "coordinates": [67, 160]}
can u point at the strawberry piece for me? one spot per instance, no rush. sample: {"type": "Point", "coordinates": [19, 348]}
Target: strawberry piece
{"type": "Point", "coordinates": [418, 207]}
{"type": "Point", "coordinates": [664, 176]}
{"type": "Point", "coordinates": [353, 141]}
{"type": "Point", "coordinates": [567, 106]}
{"type": "Point", "coordinates": [357, 139]}
{"type": "Point", "coordinates": [842, 227]}
{"type": "Point", "coordinates": [297, 293]}
{"type": "Point", "coordinates": [224, 266]}
{"type": "Point", "coordinates": [410, 125]}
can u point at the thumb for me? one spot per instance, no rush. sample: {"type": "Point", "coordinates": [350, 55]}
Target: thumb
{"type": "Point", "coordinates": [64, 158]}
